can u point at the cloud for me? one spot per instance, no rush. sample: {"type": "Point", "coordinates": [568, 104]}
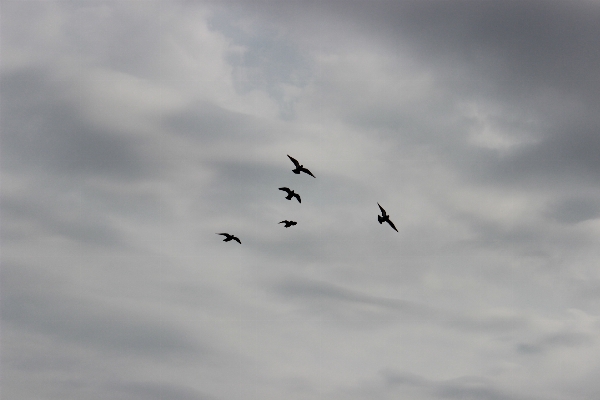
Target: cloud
{"type": "Point", "coordinates": [34, 301]}
{"type": "Point", "coordinates": [25, 218]}
{"type": "Point", "coordinates": [132, 133]}
{"type": "Point", "coordinates": [209, 123]}
{"type": "Point", "coordinates": [152, 391]}
{"type": "Point", "coordinates": [575, 210]}
{"type": "Point", "coordinates": [320, 290]}
{"type": "Point", "coordinates": [347, 304]}
{"type": "Point", "coordinates": [57, 137]}
{"type": "Point", "coordinates": [459, 388]}
{"type": "Point", "coordinates": [263, 59]}
{"type": "Point", "coordinates": [554, 341]}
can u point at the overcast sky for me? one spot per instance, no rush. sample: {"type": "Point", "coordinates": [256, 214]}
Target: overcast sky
{"type": "Point", "coordinates": [132, 132]}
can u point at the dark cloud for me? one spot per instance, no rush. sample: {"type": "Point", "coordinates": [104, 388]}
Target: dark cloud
{"type": "Point", "coordinates": [43, 131]}
{"type": "Point", "coordinates": [21, 213]}
{"type": "Point", "coordinates": [549, 43]}
{"type": "Point", "coordinates": [567, 154]}
{"type": "Point", "coordinates": [340, 300]}
{"type": "Point", "coordinates": [527, 43]}
{"type": "Point", "coordinates": [152, 391]}
{"type": "Point", "coordinates": [555, 341]}
{"type": "Point", "coordinates": [537, 61]}
{"type": "Point", "coordinates": [533, 60]}
{"type": "Point", "coordinates": [574, 210]}
{"type": "Point", "coordinates": [321, 290]}
{"type": "Point", "coordinates": [517, 45]}
{"type": "Point", "coordinates": [37, 301]}
{"type": "Point", "coordinates": [472, 388]}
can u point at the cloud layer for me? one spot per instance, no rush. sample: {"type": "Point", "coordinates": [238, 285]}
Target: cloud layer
{"type": "Point", "coordinates": [132, 132]}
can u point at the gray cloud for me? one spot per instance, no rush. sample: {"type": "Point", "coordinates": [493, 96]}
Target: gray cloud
{"type": "Point", "coordinates": [574, 210]}
{"type": "Point", "coordinates": [210, 123]}
{"type": "Point", "coordinates": [555, 341]}
{"type": "Point", "coordinates": [568, 155]}
{"type": "Point", "coordinates": [340, 300]}
{"type": "Point", "coordinates": [321, 290]}
{"type": "Point", "coordinates": [536, 60]}
{"type": "Point", "coordinates": [131, 133]}
{"type": "Point", "coordinates": [44, 131]}
{"type": "Point", "coordinates": [460, 388]}
{"type": "Point", "coordinates": [152, 391]}
{"type": "Point", "coordinates": [19, 213]}
{"type": "Point", "coordinates": [36, 301]}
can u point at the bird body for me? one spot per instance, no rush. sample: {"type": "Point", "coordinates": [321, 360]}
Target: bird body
{"type": "Point", "coordinates": [291, 194]}
{"type": "Point", "coordinates": [288, 223]}
{"type": "Point", "coordinates": [385, 218]}
{"type": "Point", "coordinates": [229, 237]}
{"type": "Point", "coordinates": [299, 168]}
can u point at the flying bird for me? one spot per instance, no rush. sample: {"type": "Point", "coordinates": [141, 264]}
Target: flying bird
{"type": "Point", "coordinates": [229, 237]}
{"type": "Point", "coordinates": [291, 194]}
{"type": "Point", "coordinates": [299, 168]}
{"type": "Point", "coordinates": [288, 223]}
{"type": "Point", "coordinates": [385, 218]}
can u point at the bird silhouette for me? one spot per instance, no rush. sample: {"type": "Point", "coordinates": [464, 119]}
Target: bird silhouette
{"type": "Point", "coordinates": [291, 194]}
{"type": "Point", "coordinates": [299, 168]}
{"type": "Point", "coordinates": [229, 237]}
{"type": "Point", "coordinates": [288, 223]}
{"type": "Point", "coordinates": [385, 218]}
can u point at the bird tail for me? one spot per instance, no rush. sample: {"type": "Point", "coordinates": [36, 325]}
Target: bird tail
{"type": "Point", "coordinates": [380, 219]}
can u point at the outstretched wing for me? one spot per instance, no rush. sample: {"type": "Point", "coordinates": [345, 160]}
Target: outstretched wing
{"type": "Point", "coordinates": [382, 210]}
{"type": "Point", "coordinates": [287, 190]}
{"type": "Point", "coordinates": [296, 195]}
{"type": "Point", "coordinates": [307, 171]}
{"type": "Point", "coordinates": [237, 240]}
{"type": "Point", "coordinates": [283, 222]}
{"type": "Point", "coordinates": [296, 163]}
{"type": "Point", "coordinates": [224, 234]}
{"type": "Point", "coordinates": [392, 225]}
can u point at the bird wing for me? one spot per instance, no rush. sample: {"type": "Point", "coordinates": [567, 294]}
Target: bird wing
{"type": "Point", "coordinates": [237, 240]}
{"type": "Point", "coordinates": [285, 189]}
{"type": "Point", "coordinates": [307, 171]}
{"type": "Point", "coordinates": [298, 197]}
{"type": "Point", "coordinates": [382, 210]}
{"type": "Point", "coordinates": [296, 163]}
{"type": "Point", "coordinates": [224, 234]}
{"type": "Point", "coordinates": [392, 225]}
{"type": "Point", "coordinates": [282, 222]}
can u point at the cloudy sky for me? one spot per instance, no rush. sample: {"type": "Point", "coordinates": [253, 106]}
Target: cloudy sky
{"type": "Point", "coordinates": [133, 131]}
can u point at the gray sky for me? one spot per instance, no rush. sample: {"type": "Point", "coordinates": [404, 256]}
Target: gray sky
{"type": "Point", "coordinates": [132, 132]}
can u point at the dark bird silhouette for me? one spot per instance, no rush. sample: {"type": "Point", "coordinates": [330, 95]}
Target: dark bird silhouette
{"type": "Point", "coordinates": [291, 194]}
{"type": "Point", "coordinates": [288, 223]}
{"type": "Point", "coordinates": [229, 237]}
{"type": "Point", "coordinates": [299, 168]}
{"type": "Point", "coordinates": [385, 218]}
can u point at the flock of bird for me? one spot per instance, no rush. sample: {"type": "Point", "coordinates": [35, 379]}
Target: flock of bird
{"type": "Point", "coordinates": [384, 217]}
